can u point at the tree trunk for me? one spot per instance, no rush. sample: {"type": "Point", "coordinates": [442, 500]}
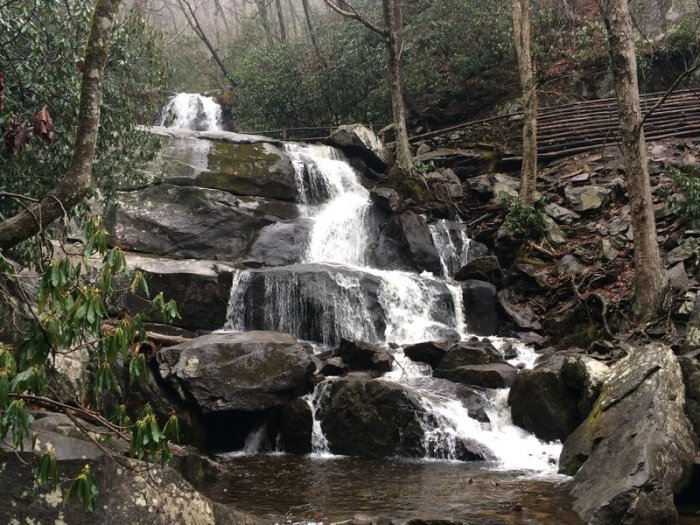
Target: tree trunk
{"type": "Point", "coordinates": [78, 180]}
{"type": "Point", "coordinates": [280, 18]}
{"type": "Point", "coordinates": [521, 38]}
{"type": "Point", "coordinates": [262, 11]}
{"type": "Point", "coordinates": [651, 281]}
{"type": "Point", "coordinates": [312, 33]}
{"type": "Point", "coordinates": [393, 23]}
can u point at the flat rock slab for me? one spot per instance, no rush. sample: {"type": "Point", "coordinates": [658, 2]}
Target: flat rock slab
{"type": "Point", "coordinates": [250, 371]}
{"type": "Point", "coordinates": [635, 448]}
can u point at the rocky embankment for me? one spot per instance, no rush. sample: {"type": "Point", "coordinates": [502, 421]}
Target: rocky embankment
{"type": "Point", "coordinates": [220, 205]}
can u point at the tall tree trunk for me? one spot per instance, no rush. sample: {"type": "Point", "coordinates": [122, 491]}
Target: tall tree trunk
{"type": "Point", "coordinates": [521, 37]}
{"type": "Point", "coordinates": [78, 181]}
{"type": "Point", "coordinates": [280, 18]}
{"type": "Point", "coordinates": [651, 281]}
{"type": "Point", "coordinates": [312, 32]}
{"type": "Point", "coordinates": [393, 22]}
{"type": "Point", "coordinates": [294, 17]}
{"type": "Point", "coordinates": [265, 22]}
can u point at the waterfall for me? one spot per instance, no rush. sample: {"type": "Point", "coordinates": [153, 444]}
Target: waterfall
{"type": "Point", "coordinates": [333, 293]}
{"type": "Point", "coordinates": [191, 111]}
{"type": "Point", "coordinates": [340, 233]}
{"type": "Point", "coordinates": [452, 244]}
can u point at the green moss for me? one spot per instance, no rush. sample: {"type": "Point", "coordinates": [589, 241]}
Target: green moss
{"type": "Point", "coordinates": [230, 164]}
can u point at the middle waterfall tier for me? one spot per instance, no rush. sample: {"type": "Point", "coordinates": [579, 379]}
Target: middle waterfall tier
{"type": "Point", "coordinates": [324, 303]}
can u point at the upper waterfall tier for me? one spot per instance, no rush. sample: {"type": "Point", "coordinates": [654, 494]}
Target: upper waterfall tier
{"type": "Point", "coordinates": [191, 111]}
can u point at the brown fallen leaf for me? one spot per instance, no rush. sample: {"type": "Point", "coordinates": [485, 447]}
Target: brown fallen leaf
{"type": "Point", "coordinates": [43, 125]}
{"type": "Point", "coordinates": [16, 137]}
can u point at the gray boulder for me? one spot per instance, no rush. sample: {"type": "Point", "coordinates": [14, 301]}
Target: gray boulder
{"type": "Point", "coordinates": [200, 288]}
{"type": "Point", "coordinates": [480, 300]}
{"type": "Point", "coordinates": [356, 140]}
{"type": "Point", "coordinates": [183, 222]}
{"type": "Point", "coordinates": [380, 418]}
{"type": "Point", "coordinates": [493, 375]}
{"type": "Point", "coordinates": [634, 450]}
{"type": "Point", "coordinates": [430, 352]}
{"type": "Point", "coordinates": [249, 371]}
{"type": "Point", "coordinates": [405, 243]}
{"type": "Point", "coordinates": [296, 427]}
{"type": "Point", "coordinates": [359, 355]}
{"type": "Point", "coordinates": [485, 268]}
{"type": "Point", "coordinates": [587, 198]}
{"type": "Point", "coordinates": [125, 493]}
{"type": "Point", "coordinates": [279, 244]}
{"type": "Point", "coordinates": [386, 198]}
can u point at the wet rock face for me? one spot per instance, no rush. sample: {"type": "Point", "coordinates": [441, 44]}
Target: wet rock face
{"type": "Point", "coordinates": [405, 243]}
{"type": "Point", "coordinates": [552, 399]}
{"type": "Point", "coordinates": [637, 435]}
{"type": "Point", "coordinates": [201, 289]}
{"type": "Point", "coordinates": [256, 170]}
{"type": "Point", "coordinates": [378, 419]}
{"type": "Point", "coordinates": [296, 427]}
{"type": "Point", "coordinates": [359, 141]}
{"type": "Point", "coordinates": [249, 371]}
{"type": "Point", "coordinates": [480, 302]}
{"type": "Point", "coordinates": [364, 356]}
{"type": "Point", "coordinates": [183, 222]}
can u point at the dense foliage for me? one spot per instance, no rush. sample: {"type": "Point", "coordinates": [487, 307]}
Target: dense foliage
{"type": "Point", "coordinates": [41, 49]}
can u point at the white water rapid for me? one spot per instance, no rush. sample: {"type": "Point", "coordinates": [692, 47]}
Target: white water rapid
{"type": "Point", "coordinates": [191, 111]}
{"type": "Point", "coordinates": [334, 292]}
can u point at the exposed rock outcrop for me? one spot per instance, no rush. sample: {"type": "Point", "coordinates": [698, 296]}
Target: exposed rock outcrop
{"type": "Point", "coordinates": [249, 371]}
{"type": "Point", "coordinates": [635, 449]}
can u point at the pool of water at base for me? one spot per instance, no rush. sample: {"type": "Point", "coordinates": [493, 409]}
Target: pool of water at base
{"type": "Point", "coordinates": [280, 488]}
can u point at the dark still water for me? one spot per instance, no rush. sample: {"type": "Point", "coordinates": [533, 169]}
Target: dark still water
{"type": "Point", "coordinates": [278, 488]}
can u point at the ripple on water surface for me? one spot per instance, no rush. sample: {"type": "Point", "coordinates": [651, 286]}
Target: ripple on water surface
{"type": "Point", "coordinates": [286, 487]}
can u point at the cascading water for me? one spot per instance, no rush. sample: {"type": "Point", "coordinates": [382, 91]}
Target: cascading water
{"type": "Point", "coordinates": [191, 111]}
{"type": "Point", "coordinates": [332, 293]}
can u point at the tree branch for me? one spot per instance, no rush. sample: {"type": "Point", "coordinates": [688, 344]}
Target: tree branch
{"type": "Point", "coordinates": [688, 71]}
{"type": "Point", "coordinates": [357, 16]}
{"type": "Point", "coordinates": [78, 180]}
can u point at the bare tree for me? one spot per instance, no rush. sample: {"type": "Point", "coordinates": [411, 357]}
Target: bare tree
{"type": "Point", "coordinates": [190, 13]}
{"type": "Point", "coordinates": [651, 281]}
{"type": "Point", "coordinates": [521, 37]}
{"type": "Point", "coordinates": [78, 181]}
{"type": "Point", "coordinates": [265, 21]}
{"type": "Point", "coordinates": [280, 19]}
{"type": "Point", "coordinates": [391, 33]}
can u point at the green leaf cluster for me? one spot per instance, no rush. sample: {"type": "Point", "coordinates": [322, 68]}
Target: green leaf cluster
{"type": "Point", "coordinates": [72, 315]}
{"type": "Point", "coordinates": [524, 221]}
{"type": "Point", "coordinates": [687, 181]}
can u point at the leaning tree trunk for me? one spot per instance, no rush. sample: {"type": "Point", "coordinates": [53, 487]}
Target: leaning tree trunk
{"type": "Point", "coordinates": [521, 37]}
{"type": "Point", "coordinates": [393, 22]}
{"type": "Point", "coordinates": [78, 180]}
{"type": "Point", "coordinates": [280, 19]}
{"type": "Point", "coordinates": [651, 281]}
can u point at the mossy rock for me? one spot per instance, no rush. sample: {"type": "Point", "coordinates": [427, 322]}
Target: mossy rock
{"type": "Point", "coordinates": [258, 170]}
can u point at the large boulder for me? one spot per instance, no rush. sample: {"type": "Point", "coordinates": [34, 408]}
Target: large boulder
{"type": "Point", "coordinates": [405, 243]}
{"type": "Point", "coordinates": [296, 427]}
{"type": "Point", "coordinates": [279, 244]}
{"type": "Point", "coordinates": [553, 398]}
{"type": "Point", "coordinates": [356, 140]}
{"type": "Point", "coordinates": [476, 363]}
{"type": "Point", "coordinates": [249, 371]}
{"type": "Point", "coordinates": [184, 222]}
{"type": "Point", "coordinates": [380, 418]}
{"type": "Point", "coordinates": [201, 289]}
{"type": "Point", "coordinates": [244, 165]}
{"type": "Point", "coordinates": [480, 313]}
{"type": "Point", "coordinates": [257, 170]}
{"type": "Point", "coordinates": [635, 449]}
{"type": "Point", "coordinates": [359, 355]}
{"type": "Point", "coordinates": [129, 491]}
{"type": "Point", "coordinates": [430, 352]}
